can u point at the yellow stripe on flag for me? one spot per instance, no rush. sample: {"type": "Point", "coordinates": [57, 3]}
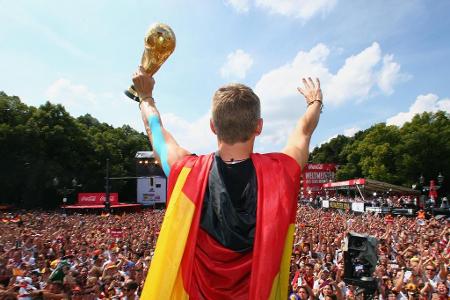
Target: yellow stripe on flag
{"type": "Point", "coordinates": [281, 281]}
{"type": "Point", "coordinates": [165, 268]}
{"type": "Point", "coordinates": [179, 293]}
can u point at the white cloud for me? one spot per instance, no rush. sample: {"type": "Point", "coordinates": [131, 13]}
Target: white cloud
{"type": "Point", "coordinates": [424, 103]}
{"type": "Point", "coordinates": [196, 136]}
{"type": "Point", "coordinates": [237, 65]}
{"type": "Point", "coordinates": [281, 103]}
{"type": "Point", "coordinates": [349, 132]}
{"type": "Point", "coordinates": [357, 79]}
{"type": "Point", "coordinates": [239, 5]}
{"type": "Point", "coordinates": [71, 95]}
{"type": "Point", "coordinates": [279, 130]}
{"type": "Point", "coordinates": [78, 100]}
{"type": "Point", "coordinates": [278, 88]}
{"type": "Point", "coordinates": [303, 9]}
{"type": "Point", "coordinates": [390, 75]}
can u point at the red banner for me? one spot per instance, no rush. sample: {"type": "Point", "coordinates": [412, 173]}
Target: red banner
{"type": "Point", "coordinates": [314, 175]}
{"type": "Point", "coordinates": [117, 233]}
{"type": "Point", "coordinates": [97, 198]}
{"type": "Point", "coordinates": [351, 182]}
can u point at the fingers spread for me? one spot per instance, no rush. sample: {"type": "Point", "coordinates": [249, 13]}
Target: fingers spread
{"type": "Point", "coordinates": [311, 83]}
{"type": "Point", "coordinates": [305, 83]}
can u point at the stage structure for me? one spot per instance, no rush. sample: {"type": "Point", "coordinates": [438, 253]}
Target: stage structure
{"type": "Point", "coordinates": [151, 180]}
{"type": "Point", "coordinates": [365, 186]}
{"type": "Point", "coordinates": [368, 190]}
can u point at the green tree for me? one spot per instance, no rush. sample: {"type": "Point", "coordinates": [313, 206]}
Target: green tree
{"type": "Point", "coordinates": [393, 154]}
{"type": "Point", "coordinates": [425, 148]}
{"type": "Point", "coordinates": [330, 152]}
{"type": "Point", "coordinates": [39, 144]}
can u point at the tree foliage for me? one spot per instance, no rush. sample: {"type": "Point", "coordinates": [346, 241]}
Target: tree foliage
{"type": "Point", "coordinates": [397, 155]}
{"type": "Point", "coordinates": [39, 144]}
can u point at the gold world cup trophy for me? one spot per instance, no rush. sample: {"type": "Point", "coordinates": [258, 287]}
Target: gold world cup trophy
{"type": "Point", "coordinates": [159, 44]}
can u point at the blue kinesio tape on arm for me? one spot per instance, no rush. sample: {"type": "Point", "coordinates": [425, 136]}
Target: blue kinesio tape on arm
{"type": "Point", "coordinates": [159, 143]}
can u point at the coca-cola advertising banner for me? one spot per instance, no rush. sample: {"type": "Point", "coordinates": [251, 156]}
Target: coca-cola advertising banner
{"type": "Point", "coordinates": [97, 198]}
{"type": "Point", "coordinates": [315, 175]}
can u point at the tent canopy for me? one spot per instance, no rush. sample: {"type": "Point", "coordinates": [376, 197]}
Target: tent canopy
{"type": "Point", "coordinates": [369, 185]}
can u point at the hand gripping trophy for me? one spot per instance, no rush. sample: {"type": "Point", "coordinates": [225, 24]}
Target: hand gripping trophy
{"type": "Point", "coordinates": [159, 44]}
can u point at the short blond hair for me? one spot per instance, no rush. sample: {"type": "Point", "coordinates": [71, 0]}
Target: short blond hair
{"type": "Point", "coordinates": [236, 110]}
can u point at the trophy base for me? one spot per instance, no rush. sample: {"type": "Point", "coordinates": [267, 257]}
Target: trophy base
{"type": "Point", "coordinates": [132, 94]}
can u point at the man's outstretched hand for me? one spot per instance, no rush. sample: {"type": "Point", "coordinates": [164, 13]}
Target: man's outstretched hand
{"type": "Point", "coordinates": [143, 83]}
{"type": "Point", "coordinates": [297, 145]}
{"type": "Point", "coordinates": [311, 91]}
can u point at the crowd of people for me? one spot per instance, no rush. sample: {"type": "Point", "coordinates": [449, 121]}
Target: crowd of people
{"type": "Point", "coordinates": [381, 201]}
{"type": "Point", "coordinates": [47, 255]}
{"type": "Point", "coordinates": [413, 255]}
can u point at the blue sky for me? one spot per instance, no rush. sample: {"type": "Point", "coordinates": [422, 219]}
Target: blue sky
{"type": "Point", "coordinates": [379, 61]}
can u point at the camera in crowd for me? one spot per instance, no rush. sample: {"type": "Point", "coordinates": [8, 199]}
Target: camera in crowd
{"type": "Point", "coordinates": [360, 260]}
{"type": "Point", "coordinates": [361, 268]}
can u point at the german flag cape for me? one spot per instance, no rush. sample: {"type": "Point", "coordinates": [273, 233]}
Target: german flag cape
{"type": "Point", "coordinates": [173, 268]}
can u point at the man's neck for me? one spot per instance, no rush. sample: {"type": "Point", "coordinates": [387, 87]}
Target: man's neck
{"type": "Point", "coordinates": [237, 151]}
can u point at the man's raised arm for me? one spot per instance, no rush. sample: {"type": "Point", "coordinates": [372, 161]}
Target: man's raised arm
{"type": "Point", "coordinates": [297, 146]}
{"type": "Point", "coordinates": [164, 145]}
